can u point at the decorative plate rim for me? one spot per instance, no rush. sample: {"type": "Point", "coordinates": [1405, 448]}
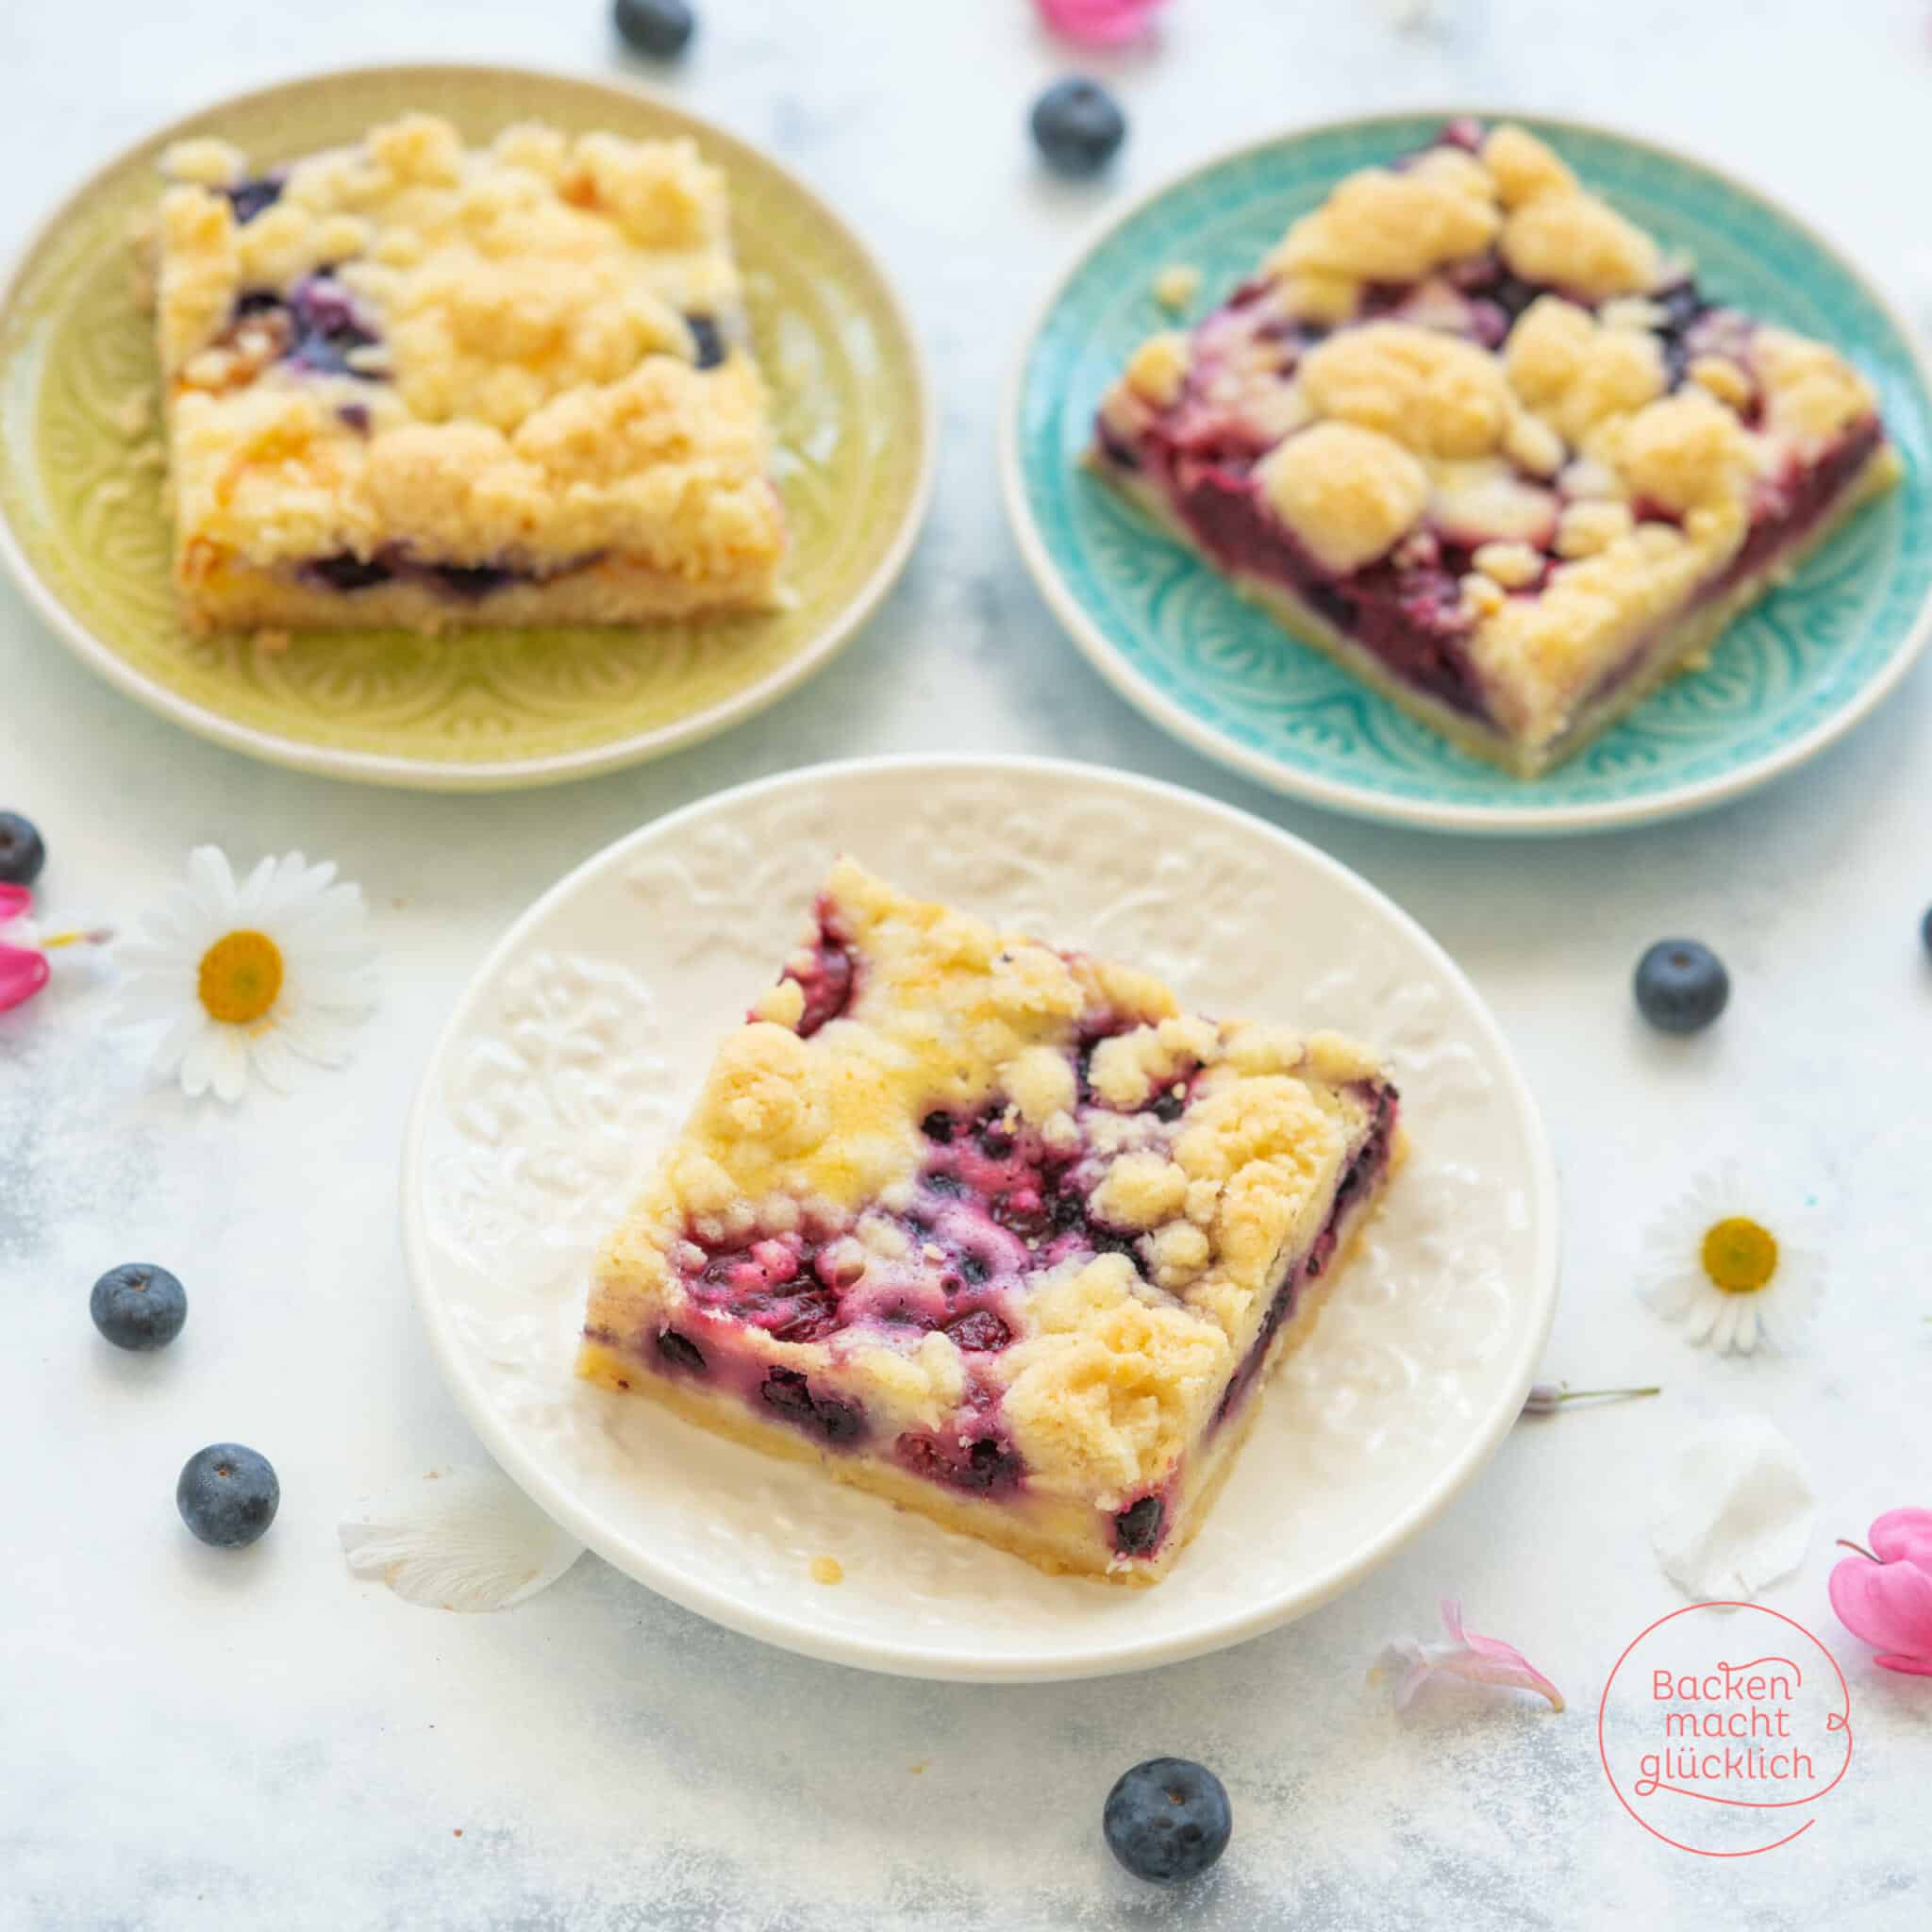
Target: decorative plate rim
{"type": "Point", "coordinates": [786, 1628]}
{"type": "Point", "coordinates": [427, 774]}
{"type": "Point", "coordinates": [1364, 801]}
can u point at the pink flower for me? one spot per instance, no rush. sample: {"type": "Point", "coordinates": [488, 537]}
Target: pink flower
{"type": "Point", "coordinates": [23, 948]}
{"type": "Point", "coordinates": [23, 966]}
{"type": "Point", "coordinates": [1100, 23]}
{"type": "Point", "coordinates": [1883, 1595]}
{"type": "Point", "coordinates": [1475, 1659]}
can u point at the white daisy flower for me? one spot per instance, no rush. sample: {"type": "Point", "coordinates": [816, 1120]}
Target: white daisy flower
{"type": "Point", "coordinates": [248, 978]}
{"type": "Point", "coordinates": [1715, 1264]}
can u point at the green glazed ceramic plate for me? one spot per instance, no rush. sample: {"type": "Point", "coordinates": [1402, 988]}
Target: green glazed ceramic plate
{"type": "Point", "coordinates": [1788, 677]}
{"type": "Point", "coordinates": [81, 520]}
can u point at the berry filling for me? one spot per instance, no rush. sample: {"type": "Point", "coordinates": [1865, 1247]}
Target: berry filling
{"type": "Point", "coordinates": [1369, 1159]}
{"type": "Point", "coordinates": [248, 198]}
{"type": "Point", "coordinates": [836, 1424]}
{"type": "Point", "coordinates": [1137, 1529]}
{"type": "Point", "coordinates": [986, 1467]}
{"type": "Point", "coordinates": [1407, 609]}
{"type": "Point", "coordinates": [826, 976]}
{"type": "Point", "coordinates": [707, 339]}
{"type": "Point", "coordinates": [468, 582]}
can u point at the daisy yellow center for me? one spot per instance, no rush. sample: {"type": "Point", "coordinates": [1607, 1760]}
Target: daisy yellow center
{"type": "Point", "coordinates": [1739, 1255]}
{"type": "Point", "coordinates": [240, 977]}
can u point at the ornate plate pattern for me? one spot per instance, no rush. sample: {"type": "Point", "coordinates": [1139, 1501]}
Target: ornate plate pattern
{"type": "Point", "coordinates": [1784, 680]}
{"type": "Point", "coordinates": [85, 525]}
{"type": "Point", "coordinates": [585, 1035]}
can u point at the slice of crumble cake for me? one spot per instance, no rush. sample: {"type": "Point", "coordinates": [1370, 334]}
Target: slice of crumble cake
{"type": "Point", "coordinates": [411, 383]}
{"type": "Point", "coordinates": [994, 1230]}
{"type": "Point", "coordinates": [1474, 434]}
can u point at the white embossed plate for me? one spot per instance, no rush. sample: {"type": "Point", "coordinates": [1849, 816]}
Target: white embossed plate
{"type": "Point", "coordinates": [586, 1033]}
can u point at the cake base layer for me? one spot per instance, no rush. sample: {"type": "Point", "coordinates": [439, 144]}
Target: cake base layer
{"type": "Point", "coordinates": [1058, 1535]}
{"type": "Point", "coordinates": [1675, 647]}
{"type": "Point", "coordinates": [233, 595]}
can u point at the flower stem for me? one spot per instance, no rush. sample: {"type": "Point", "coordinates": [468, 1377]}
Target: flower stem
{"type": "Point", "coordinates": [1547, 1398]}
{"type": "Point", "coordinates": [1845, 1543]}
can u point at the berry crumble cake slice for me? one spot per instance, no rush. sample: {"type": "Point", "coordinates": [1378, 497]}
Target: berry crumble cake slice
{"type": "Point", "coordinates": [411, 383]}
{"type": "Point", "coordinates": [1472, 432]}
{"type": "Point", "coordinates": [994, 1230]}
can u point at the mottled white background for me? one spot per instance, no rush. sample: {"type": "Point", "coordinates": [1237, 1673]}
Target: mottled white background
{"type": "Point", "coordinates": [188, 1740]}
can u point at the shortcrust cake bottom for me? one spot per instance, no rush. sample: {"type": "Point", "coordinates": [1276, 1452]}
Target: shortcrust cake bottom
{"type": "Point", "coordinates": [1678, 646]}
{"type": "Point", "coordinates": [236, 597]}
{"type": "Point", "coordinates": [1058, 1534]}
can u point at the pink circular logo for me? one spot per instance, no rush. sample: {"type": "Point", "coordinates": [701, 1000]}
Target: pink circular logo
{"type": "Point", "coordinates": [1721, 1728]}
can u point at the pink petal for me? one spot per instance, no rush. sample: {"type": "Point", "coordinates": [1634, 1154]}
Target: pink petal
{"type": "Point", "coordinates": [1099, 23]}
{"type": "Point", "coordinates": [1886, 1605]}
{"type": "Point", "coordinates": [1911, 1666]}
{"type": "Point", "coordinates": [1904, 1536]}
{"type": "Point", "coordinates": [15, 902]}
{"type": "Point", "coordinates": [22, 973]}
{"type": "Point", "coordinates": [1489, 1661]}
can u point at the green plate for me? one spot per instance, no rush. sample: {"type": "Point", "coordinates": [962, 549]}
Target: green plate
{"type": "Point", "coordinates": [82, 523]}
{"type": "Point", "coordinates": [1789, 676]}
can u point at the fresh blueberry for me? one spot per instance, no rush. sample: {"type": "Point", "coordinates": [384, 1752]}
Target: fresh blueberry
{"type": "Point", "coordinates": [1681, 985]}
{"type": "Point", "coordinates": [1926, 928]}
{"type": "Point", "coordinates": [228, 1495]}
{"type": "Point", "coordinates": [138, 1306]}
{"type": "Point", "coordinates": [21, 854]}
{"type": "Point", "coordinates": [1168, 1819]}
{"type": "Point", "coordinates": [1079, 126]}
{"type": "Point", "coordinates": [662, 27]}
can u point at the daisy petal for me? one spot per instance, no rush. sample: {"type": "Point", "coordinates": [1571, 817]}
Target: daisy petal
{"type": "Point", "coordinates": [213, 881]}
{"type": "Point", "coordinates": [230, 1065]}
{"type": "Point", "coordinates": [198, 1064]}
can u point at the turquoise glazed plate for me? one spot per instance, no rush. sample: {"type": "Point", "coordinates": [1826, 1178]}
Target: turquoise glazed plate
{"type": "Point", "coordinates": [1788, 678]}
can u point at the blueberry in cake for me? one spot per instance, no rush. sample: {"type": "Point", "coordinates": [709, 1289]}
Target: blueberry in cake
{"type": "Point", "coordinates": [411, 383]}
{"type": "Point", "coordinates": [1478, 437]}
{"type": "Point", "coordinates": [994, 1230]}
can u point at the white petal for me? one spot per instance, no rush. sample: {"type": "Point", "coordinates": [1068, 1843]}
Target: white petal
{"type": "Point", "coordinates": [212, 878]}
{"type": "Point", "coordinates": [252, 891]}
{"type": "Point", "coordinates": [288, 888]}
{"type": "Point", "coordinates": [460, 1539]}
{"type": "Point", "coordinates": [1735, 1511]}
{"type": "Point", "coordinates": [230, 1063]}
{"type": "Point", "coordinates": [315, 1038]}
{"type": "Point", "coordinates": [1703, 1318]}
{"type": "Point", "coordinates": [175, 1042]}
{"type": "Point", "coordinates": [198, 1063]}
{"type": "Point", "coordinates": [269, 1055]}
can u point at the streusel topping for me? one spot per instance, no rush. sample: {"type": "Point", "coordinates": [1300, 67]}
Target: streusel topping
{"type": "Point", "coordinates": [911, 1047]}
{"type": "Point", "coordinates": [1470, 352]}
{"type": "Point", "coordinates": [527, 355]}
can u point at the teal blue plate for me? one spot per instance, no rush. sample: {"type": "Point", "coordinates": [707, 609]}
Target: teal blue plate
{"type": "Point", "coordinates": [1789, 676]}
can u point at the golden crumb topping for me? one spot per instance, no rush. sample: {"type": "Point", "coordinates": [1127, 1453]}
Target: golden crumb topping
{"type": "Point", "coordinates": [1583, 453]}
{"type": "Point", "coordinates": [1396, 225]}
{"type": "Point", "coordinates": [1436, 394]}
{"type": "Point", "coordinates": [1347, 494]}
{"type": "Point", "coordinates": [523, 356]}
{"type": "Point", "coordinates": [1214, 1147]}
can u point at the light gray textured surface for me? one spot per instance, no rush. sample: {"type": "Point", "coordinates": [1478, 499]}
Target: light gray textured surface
{"type": "Point", "coordinates": [256, 1740]}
